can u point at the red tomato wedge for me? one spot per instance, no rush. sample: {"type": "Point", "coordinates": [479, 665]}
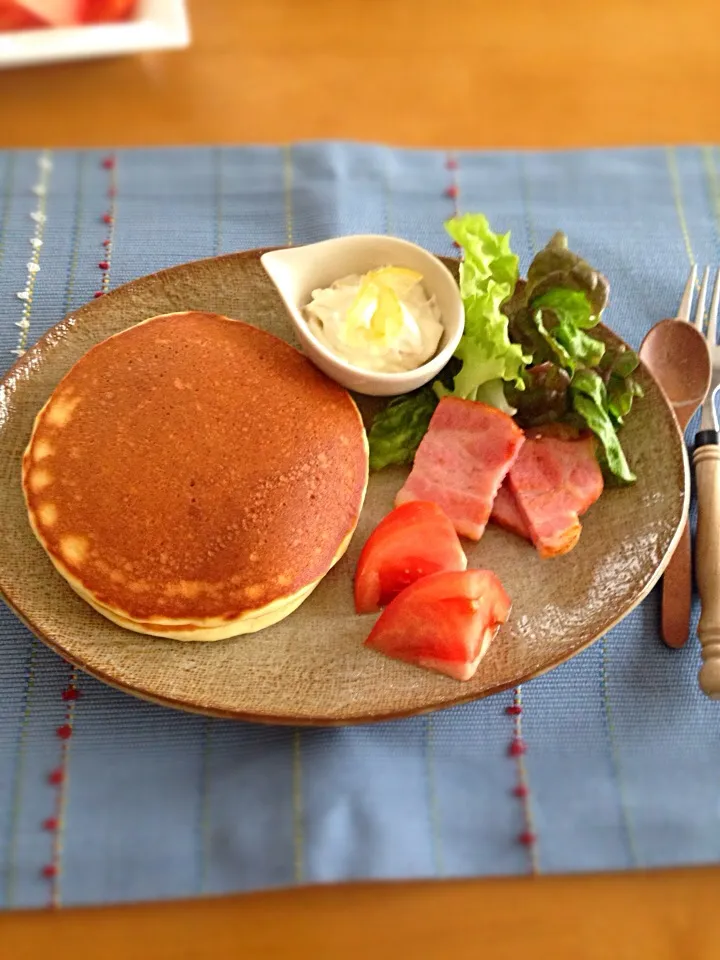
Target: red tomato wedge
{"type": "Point", "coordinates": [107, 11]}
{"type": "Point", "coordinates": [13, 16]}
{"type": "Point", "coordinates": [56, 13]}
{"type": "Point", "coordinates": [444, 622]}
{"type": "Point", "coordinates": [413, 541]}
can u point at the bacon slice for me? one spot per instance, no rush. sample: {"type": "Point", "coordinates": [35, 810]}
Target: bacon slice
{"type": "Point", "coordinates": [553, 482]}
{"type": "Point", "coordinates": [507, 514]}
{"type": "Point", "coordinates": [461, 462]}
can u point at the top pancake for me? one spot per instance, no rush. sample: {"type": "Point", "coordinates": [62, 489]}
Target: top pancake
{"type": "Point", "coordinates": [195, 468]}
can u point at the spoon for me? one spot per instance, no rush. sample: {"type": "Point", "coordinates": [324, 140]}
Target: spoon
{"type": "Point", "coordinates": [676, 354]}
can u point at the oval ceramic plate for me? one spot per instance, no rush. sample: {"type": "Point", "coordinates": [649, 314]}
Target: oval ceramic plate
{"type": "Point", "coordinates": [312, 667]}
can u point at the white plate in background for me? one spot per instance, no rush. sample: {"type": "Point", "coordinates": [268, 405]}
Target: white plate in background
{"type": "Point", "coordinates": [158, 25]}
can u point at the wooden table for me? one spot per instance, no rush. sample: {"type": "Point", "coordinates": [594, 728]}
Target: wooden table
{"type": "Point", "coordinates": [526, 73]}
{"type": "Point", "coordinates": [476, 73]}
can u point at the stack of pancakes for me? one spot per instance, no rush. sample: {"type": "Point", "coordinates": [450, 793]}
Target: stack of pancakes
{"type": "Point", "coordinates": [194, 477]}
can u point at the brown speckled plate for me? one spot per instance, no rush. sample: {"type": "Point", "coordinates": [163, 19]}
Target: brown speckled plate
{"type": "Point", "coordinates": [312, 668]}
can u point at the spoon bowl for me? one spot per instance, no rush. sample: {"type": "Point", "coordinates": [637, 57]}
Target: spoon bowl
{"type": "Point", "coordinates": [676, 354]}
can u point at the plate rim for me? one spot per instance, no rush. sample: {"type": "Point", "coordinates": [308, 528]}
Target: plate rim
{"type": "Point", "coordinates": [302, 721]}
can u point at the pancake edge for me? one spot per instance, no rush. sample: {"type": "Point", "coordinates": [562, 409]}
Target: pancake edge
{"type": "Point", "coordinates": [210, 629]}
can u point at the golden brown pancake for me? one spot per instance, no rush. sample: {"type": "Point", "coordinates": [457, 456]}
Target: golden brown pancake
{"type": "Point", "coordinates": [194, 476]}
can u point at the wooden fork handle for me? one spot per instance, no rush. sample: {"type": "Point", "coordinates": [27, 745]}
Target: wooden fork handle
{"type": "Point", "coordinates": [707, 564]}
{"type": "Point", "coordinates": [677, 593]}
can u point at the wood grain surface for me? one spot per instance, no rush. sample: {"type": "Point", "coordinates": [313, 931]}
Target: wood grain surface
{"type": "Point", "coordinates": [655, 916]}
{"type": "Point", "coordinates": [481, 73]}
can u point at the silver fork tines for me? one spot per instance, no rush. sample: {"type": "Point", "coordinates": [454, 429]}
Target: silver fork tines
{"type": "Point", "coordinates": [687, 297]}
{"type": "Point", "coordinates": [709, 420]}
{"type": "Point", "coordinates": [702, 296]}
{"type": "Point", "coordinates": [713, 315]}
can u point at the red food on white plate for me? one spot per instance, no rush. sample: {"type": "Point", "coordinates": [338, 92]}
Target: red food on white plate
{"type": "Point", "coordinates": [56, 13]}
{"type": "Point", "coordinates": [462, 460]}
{"type": "Point", "coordinates": [14, 16]}
{"type": "Point", "coordinates": [444, 622]}
{"type": "Point", "coordinates": [554, 481]}
{"type": "Point", "coordinates": [107, 11]}
{"type": "Point", "coordinates": [27, 14]}
{"type": "Point", "coordinates": [415, 540]}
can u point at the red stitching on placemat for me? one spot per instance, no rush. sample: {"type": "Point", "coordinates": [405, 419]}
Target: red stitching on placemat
{"type": "Point", "coordinates": [452, 191]}
{"type": "Point", "coordinates": [517, 750]}
{"type": "Point", "coordinates": [57, 778]}
{"type": "Point", "coordinates": [108, 218]}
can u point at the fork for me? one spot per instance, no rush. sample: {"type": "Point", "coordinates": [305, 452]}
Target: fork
{"type": "Point", "coordinates": [706, 460]}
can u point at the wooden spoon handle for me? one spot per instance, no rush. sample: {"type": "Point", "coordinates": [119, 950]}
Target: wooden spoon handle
{"type": "Point", "coordinates": [707, 564]}
{"type": "Point", "coordinates": [677, 594]}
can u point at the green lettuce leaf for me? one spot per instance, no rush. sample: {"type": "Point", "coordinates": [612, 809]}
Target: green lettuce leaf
{"type": "Point", "coordinates": [557, 267]}
{"type": "Point", "coordinates": [545, 398]}
{"type": "Point", "coordinates": [488, 275]}
{"type": "Point", "coordinates": [561, 299]}
{"type": "Point", "coordinates": [525, 349]}
{"type": "Point", "coordinates": [558, 351]}
{"type": "Point", "coordinates": [527, 328]}
{"type": "Point", "coordinates": [571, 306]}
{"type": "Point", "coordinates": [590, 401]}
{"type": "Point", "coordinates": [591, 385]}
{"type": "Point", "coordinates": [487, 255]}
{"type": "Point", "coordinates": [580, 347]}
{"type": "Point", "coordinates": [621, 392]}
{"type": "Point", "coordinates": [619, 361]}
{"type": "Point", "coordinates": [617, 368]}
{"type": "Point", "coordinates": [493, 394]}
{"type": "Point", "coordinates": [397, 430]}
{"type": "Point", "coordinates": [570, 315]}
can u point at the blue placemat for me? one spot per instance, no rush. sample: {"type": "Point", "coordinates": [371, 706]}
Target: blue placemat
{"type": "Point", "coordinates": [104, 798]}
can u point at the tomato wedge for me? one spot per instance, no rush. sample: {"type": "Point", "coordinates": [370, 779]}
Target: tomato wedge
{"type": "Point", "coordinates": [444, 622]}
{"type": "Point", "coordinates": [54, 13]}
{"type": "Point", "coordinates": [107, 11]}
{"type": "Point", "coordinates": [13, 16]}
{"type": "Point", "coordinates": [413, 541]}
